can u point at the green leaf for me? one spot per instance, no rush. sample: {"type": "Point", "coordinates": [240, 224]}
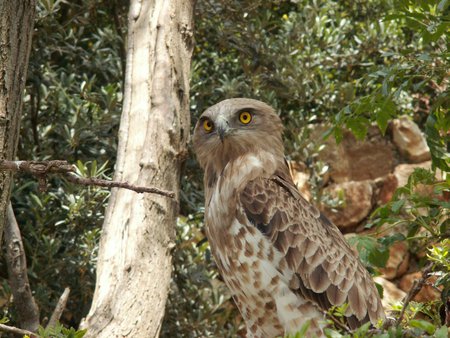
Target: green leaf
{"type": "Point", "coordinates": [397, 205]}
{"type": "Point", "coordinates": [442, 332]}
{"type": "Point", "coordinates": [379, 289]}
{"type": "Point", "coordinates": [437, 143]}
{"type": "Point", "coordinates": [413, 228]}
{"type": "Point", "coordinates": [37, 200]}
{"type": "Point", "coordinates": [379, 256]}
{"type": "Point", "coordinates": [338, 134]}
{"type": "Point", "coordinates": [382, 119]}
{"type": "Point", "coordinates": [423, 325]}
{"type": "Point", "coordinates": [303, 329]}
{"type": "Point", "coordinates": [358, 126]}
{"type": "Point", "coordinates": [330, 333]}
{"type": "Point", "coordinates": [442, 6]}
{"type": "Point", "coordinates": [391, 239]}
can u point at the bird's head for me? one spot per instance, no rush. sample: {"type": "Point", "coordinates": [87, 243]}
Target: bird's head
{"type": "Point", "coordinates": [235, 127]}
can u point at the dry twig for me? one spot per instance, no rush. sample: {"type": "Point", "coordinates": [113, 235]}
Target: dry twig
{"type": "Point", "coordinates": [15, 330]}
{"type": "Point", "coordinates": [41, 169]}
{"type": "Point", "coordinates": [59, 308]}
{"type": "Point", "coordinates": [24, 303]}
{"type": "Point", "coordinates": [416, 287]}
{"type": "Point", "coordinates": [337, 323]}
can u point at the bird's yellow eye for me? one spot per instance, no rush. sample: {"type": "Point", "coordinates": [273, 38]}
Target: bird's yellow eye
{"type": "Point", "coordinates": [208, 126]}
{"type": "Point", "coordinates": [245, 117]}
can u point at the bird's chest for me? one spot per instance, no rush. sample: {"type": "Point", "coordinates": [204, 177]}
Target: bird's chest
{"type": "Point", "coordinates": [250, 266]}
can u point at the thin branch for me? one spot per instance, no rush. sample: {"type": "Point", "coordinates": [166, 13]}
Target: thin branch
{"type": "Point", "coordinates": [37, 168]}
{"type": "Point", "coordinates": [24, 303]}
{"type": "Point", "coordinates": [337, 323]}
{"type": "Point", "coordinates": [114, 184]}
{"type": "Point", "coordinates": [41, 169]}
{"type": "Point", "coordinates": [59, 308]}
{"type": "Point", "coordinates": [15, 330]}
{"type": "Point", "coordinates": [415, 289]}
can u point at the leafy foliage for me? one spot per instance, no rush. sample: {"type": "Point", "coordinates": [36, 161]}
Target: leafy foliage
{"type": "Point", "coordinates": [351, 64]}
{"type": "Point", "coordinates": [344, 62]}
{"type": "Point", "coordinates": [59, 331]}
{"type": "Point", "coordinates": [71, 111]}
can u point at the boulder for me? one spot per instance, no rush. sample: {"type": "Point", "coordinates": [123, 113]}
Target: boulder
{"type": "Point", "coordinates": [426, 294]}
{"type": "Point", "coordinates": [354, 160]}
{"type": "Point", "coordinates": [357, 203]}
{"type": "Point", "coordinates": [403, 171]}
{"type": "Point", "coordinates": [409, 140]}
{"type": "Point", "coordinates": [398, 261]}
{"type": "Point", "coordinates": [301, 178]}
{"type": "Point", "coordinates": [386, 187]}
{"type": "Point", "coordinates": [391, 293]}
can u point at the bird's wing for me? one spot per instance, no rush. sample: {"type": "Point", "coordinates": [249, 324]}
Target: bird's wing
{"type": "Point", "coordinates": [326, 270]}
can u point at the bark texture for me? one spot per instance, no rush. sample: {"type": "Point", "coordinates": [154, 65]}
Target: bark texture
{"type": "Point", "coordinates": [24, 303]}
{"type": "Point", "coordinates": [16, 28]}
{"type": "Point", "coordinates": [134, 263]}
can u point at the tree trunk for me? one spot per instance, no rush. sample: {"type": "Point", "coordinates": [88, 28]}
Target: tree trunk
{"type": "Point", "coordinates": [26, 307]}
{"type": "Point", "coordinates": [16, 28]}
{"type": "Point", "coordinates": [134, 263]}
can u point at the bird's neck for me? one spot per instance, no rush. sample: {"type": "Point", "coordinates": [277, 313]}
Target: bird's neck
{"type": "Point", "coordinates": [228, 181]}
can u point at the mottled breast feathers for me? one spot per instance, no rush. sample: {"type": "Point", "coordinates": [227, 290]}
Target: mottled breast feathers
{"type": "Point", "coordinates": [284, 262]}
{"type": "Point", "coordinates": [326, 270]}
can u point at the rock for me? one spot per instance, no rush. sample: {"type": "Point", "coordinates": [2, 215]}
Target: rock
{"type": "Point", "coordinates": [426, 294]}
{"type": "Point", "coordinates": [403, 171]}
{"type": "Point", "coordinates": [301, 178]}
{"type": "Point", "coordinates": [354, 160]}
{"type": "Point", "coordinates": [391, 293]}
{"type": "Point", "coordinates": [398, 261]}
{"type": "Point", "coordinates": [357, 203]}
{"type": "Point", "coordinates": [409, 140]}
{"type": "Point", "coordinates": [386, 188]}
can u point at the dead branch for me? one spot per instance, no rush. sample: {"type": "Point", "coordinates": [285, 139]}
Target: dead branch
{"type": "Point", "coordinates": [15, 330]}
{"type": "Point", "coordinates": [37, 168]}
{"type": "Point", "coordinates": [24, 303]}
{"type": "Point", "coordinates": [41, 169]}
{"type": "Point", "coordinates": [415, 288]}
{"type": "Point", "coordinates": [59, 308]}
{"type": "Point", "coordinates": [114, 184]}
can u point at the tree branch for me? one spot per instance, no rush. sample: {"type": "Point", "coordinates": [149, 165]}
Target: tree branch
{"type": "Point", "coordinates": [24, 303]}
{"type": "Point", "coordinates": [59, 308]}
{"type": "Point", "coordinates": [41, 169]}
{"type": "Point", "coordinates": [415, 288]}
{"type": "Point", "coordinates": [114, 184]}
{"type": "Point", "coordinates": [15, 330]}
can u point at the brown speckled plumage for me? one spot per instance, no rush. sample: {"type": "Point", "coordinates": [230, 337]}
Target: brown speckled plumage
{"type": "Point", "coordinates": [284, 262]}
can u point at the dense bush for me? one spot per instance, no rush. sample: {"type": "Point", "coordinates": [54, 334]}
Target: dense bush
{"type": "Point", "coordinates": [72, 109]}
{"type": "Point", "coordinates": [348, 63]}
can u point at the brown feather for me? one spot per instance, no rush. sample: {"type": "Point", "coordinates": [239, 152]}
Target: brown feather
{"type": "Point", "coordinates": [315, 249]}
{"type": "Point", "coordinates": [258, 223]}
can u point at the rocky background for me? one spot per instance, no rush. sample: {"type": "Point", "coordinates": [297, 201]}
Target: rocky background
{"type": "Point", "coordinates": [360, 176]}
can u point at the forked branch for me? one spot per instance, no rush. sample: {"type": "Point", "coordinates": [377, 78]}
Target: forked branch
{"type": "Point", "coordinates": [41, 169]}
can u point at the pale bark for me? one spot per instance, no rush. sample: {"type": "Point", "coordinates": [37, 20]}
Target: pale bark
{"type": "Point", "coordinates": [134, 263]}
{"type": "Point", "coordinates": [59, 308]}
{"type": "Point", "coordinates": [16, 28]}
{"type": "Point", "coordinates": [24, 303]}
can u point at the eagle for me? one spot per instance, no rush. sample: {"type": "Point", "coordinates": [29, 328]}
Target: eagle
{"type": "Point", "coordinates": [285, 263]}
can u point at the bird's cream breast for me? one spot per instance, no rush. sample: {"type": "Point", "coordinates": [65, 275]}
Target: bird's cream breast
{"type": "Point", "coordinates": [222, 197]}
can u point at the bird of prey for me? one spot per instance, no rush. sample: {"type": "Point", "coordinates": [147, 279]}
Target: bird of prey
{"type": "Point", "coordinates": [285, 263]}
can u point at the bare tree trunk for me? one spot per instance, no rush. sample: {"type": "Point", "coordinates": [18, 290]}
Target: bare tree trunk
{"type": "Point", "coordinates": [134, 263]}
{"type": "Point", "coordinates": [24, 303]}
{"type": "Point", "coordinates": [16, 28]}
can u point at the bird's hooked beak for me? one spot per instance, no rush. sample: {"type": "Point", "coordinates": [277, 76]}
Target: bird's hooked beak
{"type": "Point", "coordinates": [223, 127]}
